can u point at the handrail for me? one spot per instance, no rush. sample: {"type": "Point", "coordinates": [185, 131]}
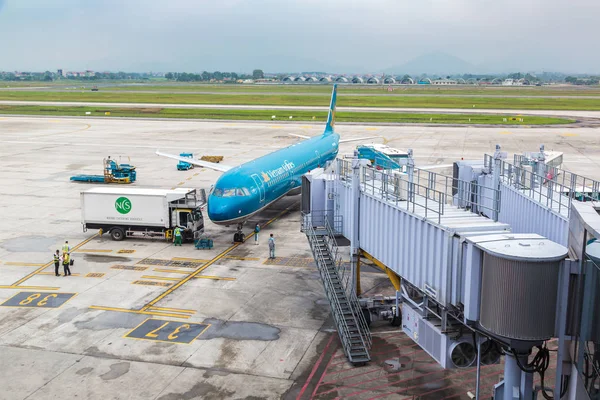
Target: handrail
{"type": "Point", "coordinates": [428, 192]}
{"type": "Point", "coordinates": [554, 188]}
{"type": "Point", "coordinates": [349, 290]}
{"type": "Point", "coordinates": [331, 292]}
{"type": "Point", "coordinates": [343, 277]}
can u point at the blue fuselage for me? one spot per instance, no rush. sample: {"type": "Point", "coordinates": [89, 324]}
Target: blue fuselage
{"type": "Point", "coordinates": [244, 190]}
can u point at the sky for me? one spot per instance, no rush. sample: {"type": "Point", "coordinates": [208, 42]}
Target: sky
{"type": "Point", "coordinates": [338, 36]}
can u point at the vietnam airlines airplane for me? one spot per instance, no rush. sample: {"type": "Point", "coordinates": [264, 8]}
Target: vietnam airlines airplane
{"type": "Point", "coordinates": [249, 188]}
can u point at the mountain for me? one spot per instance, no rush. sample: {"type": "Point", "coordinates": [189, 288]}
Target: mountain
{"type": "Point", "coordinates": [434, 64]}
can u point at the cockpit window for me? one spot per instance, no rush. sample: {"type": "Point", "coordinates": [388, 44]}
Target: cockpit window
{"type": "Point", "coordinates": [239, 192]}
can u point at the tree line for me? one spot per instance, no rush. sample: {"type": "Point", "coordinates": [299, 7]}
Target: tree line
{"type": "Point", "coordinates": [206, 76]}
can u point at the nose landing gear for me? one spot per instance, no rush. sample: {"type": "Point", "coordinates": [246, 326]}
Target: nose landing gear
{"type": "Point", "coordinates": [238, 237]}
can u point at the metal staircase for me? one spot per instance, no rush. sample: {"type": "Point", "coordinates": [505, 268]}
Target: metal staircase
{"type": "Point", "coordinates": [350, 321]}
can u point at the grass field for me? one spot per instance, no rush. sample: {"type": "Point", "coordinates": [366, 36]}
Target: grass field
{"type": "Point", "coordinates": [372, 89]}
{"type": "Point", "coordinates": [558, 90]}
{"type": "Point", "coordinates": [519, 103]}
{"type": "Point", "coordinates": [265, 115]}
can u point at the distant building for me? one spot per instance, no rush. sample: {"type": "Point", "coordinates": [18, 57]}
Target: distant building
{"type": "Point", "coordinates": [444, 82]}
{"type": "Point", "coordinates": [61, 72]}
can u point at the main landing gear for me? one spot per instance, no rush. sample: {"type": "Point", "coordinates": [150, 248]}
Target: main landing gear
{"type": "Point", "coordinates": [238, 237]}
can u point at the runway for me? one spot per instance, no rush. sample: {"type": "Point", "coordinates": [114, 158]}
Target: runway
{"type": "Point", "coordinates": [547, 113]}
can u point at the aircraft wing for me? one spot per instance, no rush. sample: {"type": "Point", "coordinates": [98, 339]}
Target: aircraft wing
{"type": "Point", "coordinates": [200, 163]}
{"type": "Point", "coordinates": [300, 136]}
{"type": "Point", "coordinates": [358, 139]}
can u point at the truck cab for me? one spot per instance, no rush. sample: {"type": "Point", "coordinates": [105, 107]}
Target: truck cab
{"type": "Point", "coordinates": [191, 221]}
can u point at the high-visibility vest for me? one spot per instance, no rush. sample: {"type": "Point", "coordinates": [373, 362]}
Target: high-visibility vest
{"type": "Point", "coordinates": [177, 231]}
{"type": "Point", "coordinates": [56, 258]}
{"type": "Point", "coordinates": [66, 248]}
{"type": "Point", "coordinates": [66, 258]}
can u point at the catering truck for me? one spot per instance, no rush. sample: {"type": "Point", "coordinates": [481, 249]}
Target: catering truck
{"type": "Point", "coordinates": [144, 213]}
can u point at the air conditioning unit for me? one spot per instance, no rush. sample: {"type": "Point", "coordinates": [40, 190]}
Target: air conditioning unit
{"type": "Point", "coordinates": [449, 353]}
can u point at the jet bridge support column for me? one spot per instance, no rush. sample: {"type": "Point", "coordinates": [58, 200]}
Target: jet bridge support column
{"type": "Point", "coordinates": [354, 236]}
{"type": "Point", "coordinates": [498, 157]}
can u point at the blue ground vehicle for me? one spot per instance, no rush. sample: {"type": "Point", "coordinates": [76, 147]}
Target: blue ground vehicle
{"type": "Point", "coordinates": [184, 166]}
{"type": "Point", "coordinates": [382, 156]}
{"type": "Point", "coordinates": [113, 173]}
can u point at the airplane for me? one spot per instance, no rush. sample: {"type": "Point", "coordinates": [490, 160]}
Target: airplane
{"type": "Point", "coordinates": [251, 187]}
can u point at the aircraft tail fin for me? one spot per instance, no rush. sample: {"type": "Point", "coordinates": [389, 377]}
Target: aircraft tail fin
{"type": "Point", "coordinates": [330, 126]}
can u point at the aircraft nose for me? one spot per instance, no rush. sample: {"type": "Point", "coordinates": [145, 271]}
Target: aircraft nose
{"type": "Point", "coordinates": [217, 210]}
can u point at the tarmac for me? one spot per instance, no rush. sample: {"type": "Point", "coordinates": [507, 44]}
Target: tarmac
{"type": "Point", "coordinates": [145, 320]}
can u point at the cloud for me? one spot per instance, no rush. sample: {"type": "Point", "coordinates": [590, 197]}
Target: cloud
{"type": "Point", "coordinates": [293, 35]}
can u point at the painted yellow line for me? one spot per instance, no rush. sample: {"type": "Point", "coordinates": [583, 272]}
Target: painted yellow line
{"type": "Point", "coordinates": [569, 134]}
{"type": "Point", "coordinates": [181, 310]}
{"type": "Point", "coordinates": [217, 278]}
{"type": "Point", "coordinates": [23, 264]}
{"type": "Point", "coordinates": [243, 258]}
{"type": "Point", "coordinates": [172, 271]}
{"type": "Point", "coordinates": [371, 129]}
{"type": "Point", "coordinates": [52, 273]}
{"type": "Point", "coordinates": [160, 278]}
{"type": "Point", "coordinates": [125, 310]}
{"type": "Point", "coordinates": [40, 269]}
{"type": "Point", "coordinates": [506, 133]}
{"type": "Point", "coordinates": [93, 251]}
{"type": "Point", "coordinates": [198, 260]}
{"type": "Point", "coordinates": [196, 174]}
{"type": "Point", "coordinates": [180, 183]}
{"type": "Point", "coordinates": [188, 179]}
{"type": "Point", "coordinates": [208, 264]}
{"type": "Point", "coordinates": [29, 287]}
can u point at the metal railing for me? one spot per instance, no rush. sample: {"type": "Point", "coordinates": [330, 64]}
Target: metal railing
{"type": "Point", "coordinates": [429, 193]}
{"type": "Point", "coordinates": [317, 219]}
{"type": "Point", "coordinates": [549, 186]}
{"type": "Point", "coordinates": [345, 276]}
{"type": "Point", "coordinates": [321, 259]}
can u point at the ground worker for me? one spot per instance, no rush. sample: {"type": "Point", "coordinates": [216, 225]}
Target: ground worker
{"type": "Point", "coordinates": [256, 230]}
{"type": "Point", "coordinates": [66, 261]}
{"type": "Point", "coordinates": [66, 248]}
{"type": "Point", "coordinates": [56, 262]}
{"type": "Point", "coordinates": [177, 236]}
{"type": "Point", "coordinates": [271, 247]}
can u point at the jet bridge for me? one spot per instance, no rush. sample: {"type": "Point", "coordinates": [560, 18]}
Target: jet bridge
{"type": "Point", "coordinates": [467, 271]}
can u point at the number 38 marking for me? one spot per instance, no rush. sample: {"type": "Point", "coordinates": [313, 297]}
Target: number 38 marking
{"type": "Point", "coordinates": [38, 299]}
{"type": "Point", "coordinates": [36, 296]}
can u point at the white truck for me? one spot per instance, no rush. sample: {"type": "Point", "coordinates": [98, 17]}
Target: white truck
{"type": "Point", "coordinates": [144, 213]}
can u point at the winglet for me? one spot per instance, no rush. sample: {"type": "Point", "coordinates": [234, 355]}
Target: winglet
{"type": "Point", "coordinates": [329, 127]}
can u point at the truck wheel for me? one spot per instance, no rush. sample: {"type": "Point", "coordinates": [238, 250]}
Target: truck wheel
{"type": "Point", "coordinates": [117, 234]}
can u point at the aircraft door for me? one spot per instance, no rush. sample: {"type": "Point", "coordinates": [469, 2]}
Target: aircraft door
{"type": "Point", "coordinates": [318, 158]}
{"type": "Point", "coordinates": [260, 185]}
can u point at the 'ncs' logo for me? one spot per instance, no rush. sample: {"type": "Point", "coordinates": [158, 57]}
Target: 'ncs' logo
{"type": "Point", "coordinates": [123, 205]}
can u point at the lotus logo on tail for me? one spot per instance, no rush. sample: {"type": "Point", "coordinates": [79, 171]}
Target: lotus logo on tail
{"type": "Point", "coordinates": [123, 205]}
